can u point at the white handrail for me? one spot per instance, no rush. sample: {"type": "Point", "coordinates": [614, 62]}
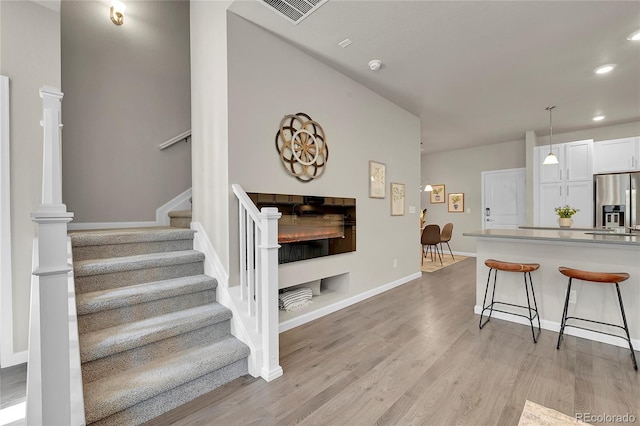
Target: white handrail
{"type": "Point", "coordinates": [181, 137]}
{"type": "Point", "coordinates": [258, 243]}
{"type": "Point", "coordinates": [246, 202]}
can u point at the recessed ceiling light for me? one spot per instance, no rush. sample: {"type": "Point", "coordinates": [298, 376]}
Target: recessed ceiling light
{"type": "Point", "coordinates": [344, 43]}
{"type": "Point", "coordinates": [598, 118]}
{"type": "Point", "coordinates": [604, 69]}
{"type": "Point", "coordinates": [634, 36]}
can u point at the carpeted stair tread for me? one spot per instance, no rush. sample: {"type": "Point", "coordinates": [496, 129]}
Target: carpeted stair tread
{"type": "Point", "coordinates": [108, 341]}
{"type": "Point", "coordinates": [130, 263]}
{"type": "Point", "coordinates": [180, 213]}
{"type": "Point", "coordinates": [117, 392]}
{"type": "Point", "coordinates": [119, 297]}
{"type": "Point", "coordinates": [129, 236]}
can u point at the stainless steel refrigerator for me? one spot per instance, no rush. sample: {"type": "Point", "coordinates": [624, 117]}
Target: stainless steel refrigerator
{"type": "Point", "coordinates": [617, 200]}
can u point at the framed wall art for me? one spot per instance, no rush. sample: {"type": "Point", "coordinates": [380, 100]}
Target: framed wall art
{"type": "Point", "coordinates": [456, 202]}
{"type": "Point", "coordinates": [437, 195]}
{"type": "Point", "coordinates": [397, 199]}
{"type": "Point", "coordinates": [377, 179]}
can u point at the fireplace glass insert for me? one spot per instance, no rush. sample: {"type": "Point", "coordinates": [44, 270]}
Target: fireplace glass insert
{"type": "Point", "coordinates": [311, 226]}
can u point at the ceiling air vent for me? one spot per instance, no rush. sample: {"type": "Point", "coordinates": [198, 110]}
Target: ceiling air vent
{"type": "Point", "coordinates": [294, 10]}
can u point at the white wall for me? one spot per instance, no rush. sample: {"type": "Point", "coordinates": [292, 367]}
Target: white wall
{"type": "Point", "coordinates": [127, 89]}
{"type": "Point", "coordinates": [268, 79]}
{"type": "Point", "coordinates": [30, 57]}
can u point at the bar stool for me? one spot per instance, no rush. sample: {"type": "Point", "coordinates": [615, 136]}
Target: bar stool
{"type": "Point", "coordinates": [596, 277]}
{"type": "Point", "coordinates": [526, 269]}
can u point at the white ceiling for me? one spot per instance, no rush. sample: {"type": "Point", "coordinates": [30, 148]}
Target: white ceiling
{"type": "Point", "coordinates": [479, 72]}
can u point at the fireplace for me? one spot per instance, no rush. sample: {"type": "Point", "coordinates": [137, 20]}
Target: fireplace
{"type": "Point", "coordinates": [311, 226]}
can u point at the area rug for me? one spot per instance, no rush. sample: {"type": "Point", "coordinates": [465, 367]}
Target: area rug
{"type": "Point", "coordinates": [429, 266]}
{"type": "Point", "coordinates": [537, 415]}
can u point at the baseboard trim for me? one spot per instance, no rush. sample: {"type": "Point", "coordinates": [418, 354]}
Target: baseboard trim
{"type": "Point", "coordinates": [181, 202]}
{"type": "Point", "coordinates": [213, 264]}
{"type": "Point", "coordinates": [555, 327]}
{"type": "Point", "coordinates": [462, 253]}
{"type": "Point", "coordinates": [11, 359]}
{"type": "Point", "coordinates": [271, 375]}
{"type": "Point", "coordinates": [329, 309]}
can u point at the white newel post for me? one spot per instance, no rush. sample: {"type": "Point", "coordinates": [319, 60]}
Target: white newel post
{"type": "Point", "coordinates": [52, 217]}
{"type": "Point", "coordinates": [271, 368]}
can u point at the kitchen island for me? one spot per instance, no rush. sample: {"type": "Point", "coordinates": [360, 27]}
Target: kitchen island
{"type": "Point", "coordinates": [591, 250]}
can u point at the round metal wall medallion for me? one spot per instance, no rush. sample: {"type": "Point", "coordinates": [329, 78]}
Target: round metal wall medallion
{"type": "Point", "coordinates": [301, 143]}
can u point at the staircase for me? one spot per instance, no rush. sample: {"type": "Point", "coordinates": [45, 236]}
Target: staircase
{"type": "Point", "coordinates": [152, 336]}
{"type": "Point", "coordinates": [180, 218]}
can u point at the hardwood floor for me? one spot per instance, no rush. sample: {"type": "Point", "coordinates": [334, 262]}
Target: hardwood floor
{"type": "Point", "coordinates": [415, 355]}
{"type": "Point", "coordinates": [13, 388]}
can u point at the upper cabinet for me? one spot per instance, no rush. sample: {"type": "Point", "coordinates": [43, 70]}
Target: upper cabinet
{"type": "Point", "coordinates": [568, 182]}
{"type": "Point", "coordinates": [617, 155]}
{"type": "Point", "coordinates": [574, 162]}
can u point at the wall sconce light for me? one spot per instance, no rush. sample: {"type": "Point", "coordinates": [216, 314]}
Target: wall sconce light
{"type": "Point", "coordinates": [428, 187]}
{"type": "Point", "coordinates": [117, 12]}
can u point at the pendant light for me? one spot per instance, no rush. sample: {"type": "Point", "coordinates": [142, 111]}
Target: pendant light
{"type": "Point", "coordinates": [551, 157]}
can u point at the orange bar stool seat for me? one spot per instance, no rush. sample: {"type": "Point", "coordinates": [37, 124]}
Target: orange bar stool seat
{"type": "Point", "coordinates": [596, 277]}
{"type": "Point", "coordinates": [526, 269]}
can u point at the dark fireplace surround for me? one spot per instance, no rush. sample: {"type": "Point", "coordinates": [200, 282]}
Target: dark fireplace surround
{"type": "Point", "coordinates": [311, 226]}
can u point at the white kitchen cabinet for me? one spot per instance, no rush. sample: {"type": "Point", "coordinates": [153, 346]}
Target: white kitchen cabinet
{"type": "Point", "coordinates": [617, 155]}
{"type": "Point", "coordinates": [577, 194]}
{"type": "Point", "coordinates": [551, 172]}
{"type": "Point", "coordinates": [568, 182]}
{"type": "Point", "coordinates": [575, 162]}
{"type": "Point", "coordinates": [550, 198]}
{"type": "Point", "coordinates": [578, 160]}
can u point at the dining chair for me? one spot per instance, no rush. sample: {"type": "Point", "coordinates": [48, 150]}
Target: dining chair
{"type": "Point", "coordinates": [430, 238]}
{"type": "Point", "coordinates": [445, 237]}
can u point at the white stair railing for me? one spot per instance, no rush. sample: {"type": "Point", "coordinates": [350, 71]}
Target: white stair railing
{"type": "Point", "coordinates": [258, 233]}
{"type": "Point", "coordinates": [52, 270]}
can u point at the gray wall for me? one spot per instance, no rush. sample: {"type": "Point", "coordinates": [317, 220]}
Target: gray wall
{"type": "Point", "coordinates": [127, 89]}
{"type": "Point", "coordinates": [460, 171]}
{"type": "Point", "coordinates": [30, 57]}
{"type": "Point", "coordinates": [597, 134]}
{"type": "Point", "coordinates": [359, 126]}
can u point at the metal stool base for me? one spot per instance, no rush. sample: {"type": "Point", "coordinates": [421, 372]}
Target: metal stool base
{"type": "Point", "coordinates": [624, 327]}
{"type": "Point", "coordinates": [533, 312]}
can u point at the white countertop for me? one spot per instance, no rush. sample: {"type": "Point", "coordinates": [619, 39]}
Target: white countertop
{"type": "Point", "coordinates": [560, 235]}
{"type": "Point", "coordinates": [573, 228]}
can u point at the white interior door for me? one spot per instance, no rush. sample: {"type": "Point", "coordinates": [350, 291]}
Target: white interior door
{"type": "Point", "coordinates": [503, 199]}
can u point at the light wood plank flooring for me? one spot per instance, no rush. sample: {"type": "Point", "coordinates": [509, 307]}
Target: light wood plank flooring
{"type": "Point", "coordinates": [13, 389]}
{"type": "Point", "coordinates": [415, 355]}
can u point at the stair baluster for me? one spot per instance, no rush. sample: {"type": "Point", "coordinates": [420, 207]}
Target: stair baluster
{"type": "Point", "coordinates": [258, 244]}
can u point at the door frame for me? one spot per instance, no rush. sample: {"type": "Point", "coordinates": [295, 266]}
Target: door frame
{"type": "Point", "coordinates": [482, 179]}
{"type": "Point", "coordinates": [7, 357]}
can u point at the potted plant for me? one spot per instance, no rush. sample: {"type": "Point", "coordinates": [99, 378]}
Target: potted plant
{"type": "Point", "coordinates": [564, 215]}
